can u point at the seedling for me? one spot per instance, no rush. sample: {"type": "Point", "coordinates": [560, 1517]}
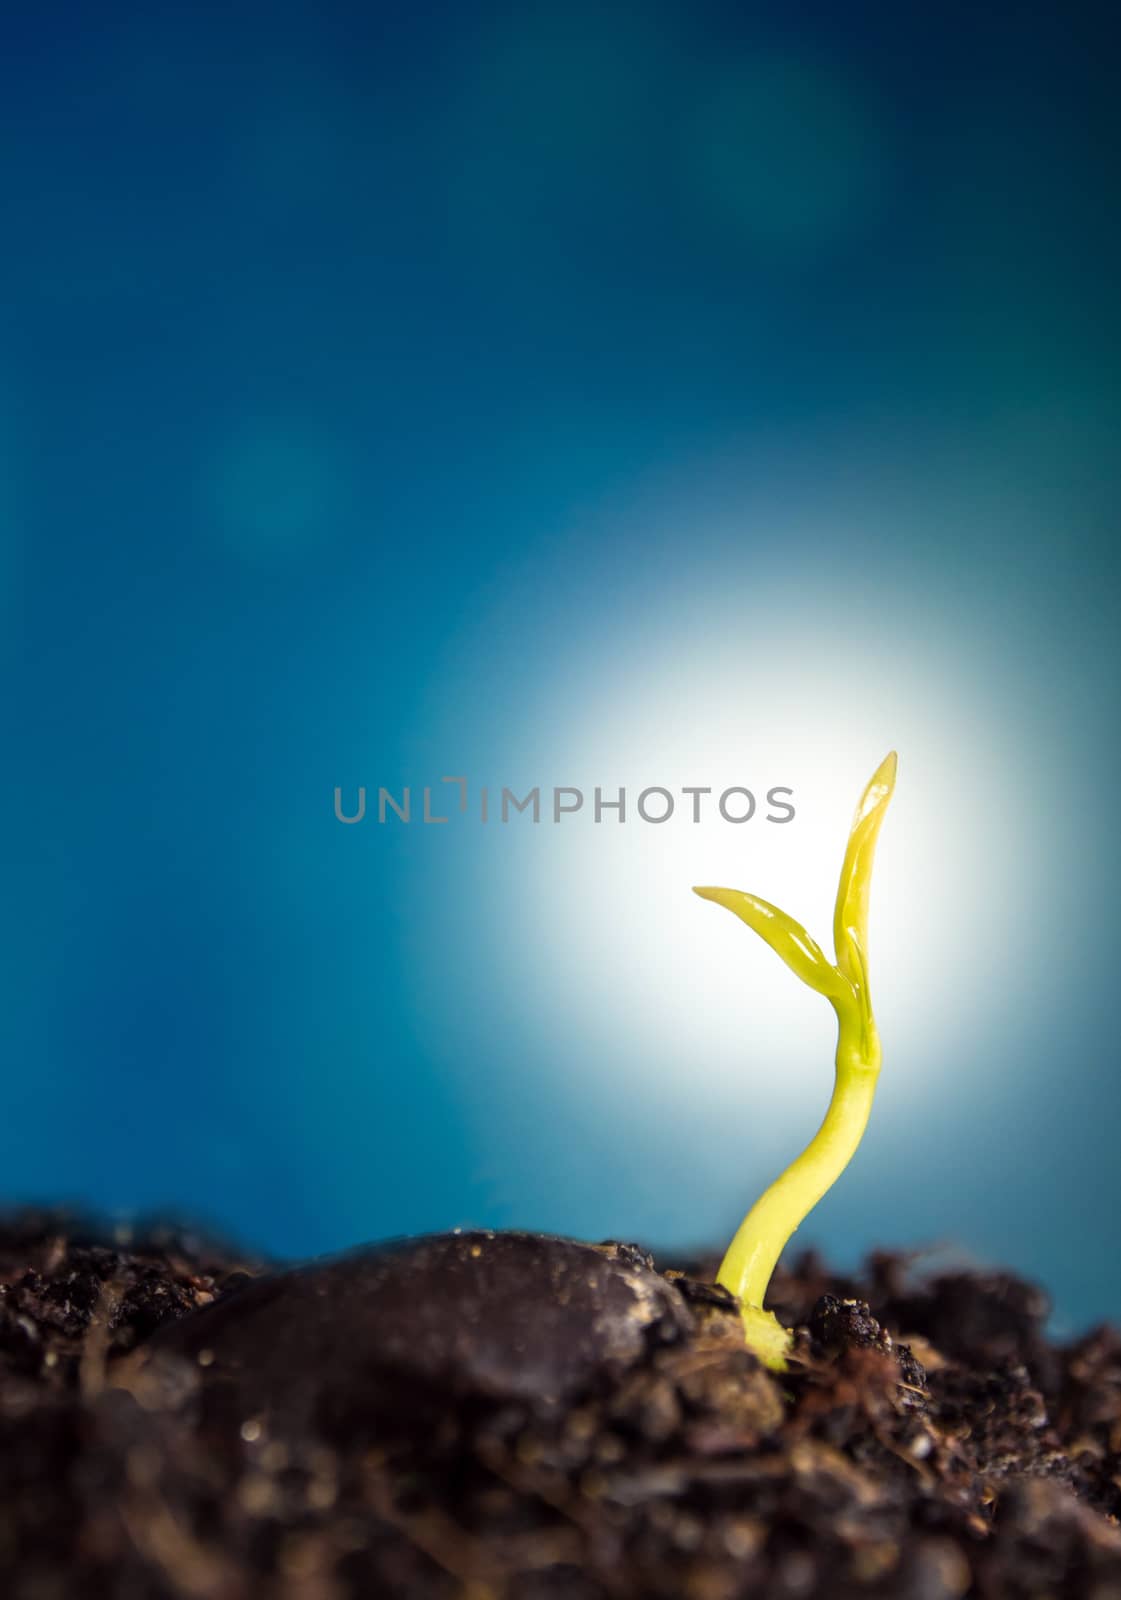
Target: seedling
{"type": "Point", "coordinates": [762, 1235]}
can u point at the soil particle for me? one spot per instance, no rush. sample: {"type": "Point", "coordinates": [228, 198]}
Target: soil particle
{"type": "Point", "coordinates": [512, 1417]}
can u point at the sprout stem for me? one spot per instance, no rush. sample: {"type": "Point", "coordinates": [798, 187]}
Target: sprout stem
{"type": "Point", "coordinates": [762, 1236]}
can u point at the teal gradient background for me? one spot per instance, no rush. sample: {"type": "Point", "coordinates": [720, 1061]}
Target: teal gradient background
{"type": "Point", "coordinates": [559, 394]}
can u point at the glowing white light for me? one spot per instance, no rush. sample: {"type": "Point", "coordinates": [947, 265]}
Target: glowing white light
{"type": "Point", "coordinates": [685, 1004]}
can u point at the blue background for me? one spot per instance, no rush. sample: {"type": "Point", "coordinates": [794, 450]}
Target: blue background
{"type": "Point", "coordinates": [557, 393]}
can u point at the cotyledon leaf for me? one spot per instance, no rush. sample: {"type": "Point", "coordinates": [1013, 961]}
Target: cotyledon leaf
{"type": "Point", "coordinates": [850, 918]}
{"type": "Point", "coordinates": [801, 952]}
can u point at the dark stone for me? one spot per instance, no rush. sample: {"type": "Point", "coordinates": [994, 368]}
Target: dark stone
{"type": "Point", "coordinates": [393, 1332]}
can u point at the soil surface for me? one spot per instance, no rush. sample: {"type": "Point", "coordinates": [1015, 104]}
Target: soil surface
{"type": "Point", "coordinates": [511, 1417]}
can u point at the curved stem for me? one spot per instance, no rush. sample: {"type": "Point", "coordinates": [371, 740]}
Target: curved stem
{"type": "Point", "coordinates": [762, 1235]}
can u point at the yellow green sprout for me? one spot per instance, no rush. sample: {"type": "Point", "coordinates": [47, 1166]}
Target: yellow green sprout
{"type": "Point", "coordinates": [747, 1267]}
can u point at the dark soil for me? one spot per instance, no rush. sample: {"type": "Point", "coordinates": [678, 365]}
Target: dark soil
{"type": "Point", "coordinates": [522, 1418]}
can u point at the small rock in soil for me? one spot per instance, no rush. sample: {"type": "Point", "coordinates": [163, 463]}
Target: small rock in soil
{"type": "Point", "coordinates": [373, 1339]}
